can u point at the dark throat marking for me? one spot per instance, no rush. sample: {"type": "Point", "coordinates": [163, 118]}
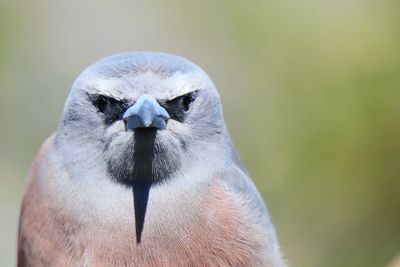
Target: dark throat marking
{"type": "Point", "coordinates": [143, 175]}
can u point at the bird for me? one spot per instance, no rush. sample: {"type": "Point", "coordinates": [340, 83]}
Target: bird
{"type": "Point", "coordinates": [141, 171]}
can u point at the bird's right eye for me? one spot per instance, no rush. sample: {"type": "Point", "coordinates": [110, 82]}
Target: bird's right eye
{"type": "Point", "coordinates": [112, 109]}
{"type": "Point", "coordinates": [101, 103]}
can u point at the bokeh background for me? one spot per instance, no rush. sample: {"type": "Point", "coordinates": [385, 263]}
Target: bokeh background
{"type": "Point", "coordinates": [310, 90]}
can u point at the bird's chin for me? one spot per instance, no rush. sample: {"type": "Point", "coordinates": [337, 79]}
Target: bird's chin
{"type": "Point", "coordinates": [146, 156]}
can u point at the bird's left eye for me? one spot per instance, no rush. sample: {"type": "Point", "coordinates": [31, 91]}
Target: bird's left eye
{"type": "Point", "coordinates": [186, 100]}
{"type": "Point", "coordinates": [178, 107]}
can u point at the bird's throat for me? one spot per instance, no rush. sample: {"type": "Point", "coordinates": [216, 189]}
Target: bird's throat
{"type": "Point", "coordinates": [142, 175]}
{"type": "Point", "coordinates": [143, 156]}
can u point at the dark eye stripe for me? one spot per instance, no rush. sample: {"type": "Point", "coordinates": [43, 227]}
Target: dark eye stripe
{"type": "Point", "coordinates": [177, 108]}
{"type": "Point", "coordinates": [111, 108]}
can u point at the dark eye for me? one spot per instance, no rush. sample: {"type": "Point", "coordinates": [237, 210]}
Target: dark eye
{"type": "Point", "coordinates": [101, 103]}
{"type": "Point", "coordinates": [112, 109]}
{"type": "Point", "coordinates": [177, 108]}
{"type": "Point", "coordinates": [186, 100]}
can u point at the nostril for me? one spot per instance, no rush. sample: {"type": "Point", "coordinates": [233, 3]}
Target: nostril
{"type": "Point", "coordinates": [133, 122]}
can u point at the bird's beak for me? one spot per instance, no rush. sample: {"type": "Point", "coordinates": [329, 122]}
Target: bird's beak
{"type": "Point", "coordinates": [146, 113]}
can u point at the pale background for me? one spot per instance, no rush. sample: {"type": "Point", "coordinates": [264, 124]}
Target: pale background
{"type": "Point", "coordinates": [310, 90]}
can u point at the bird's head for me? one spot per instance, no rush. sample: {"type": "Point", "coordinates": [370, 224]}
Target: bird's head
{"type": "Point", "coordinates": [143, 116]}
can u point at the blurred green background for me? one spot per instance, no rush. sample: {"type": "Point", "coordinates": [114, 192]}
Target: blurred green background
{"type": "Point", "coordinates": [310, 90]}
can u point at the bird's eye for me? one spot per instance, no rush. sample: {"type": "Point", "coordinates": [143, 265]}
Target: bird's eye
{"type": "Point", "coordinates": [178, 107]}
{"type": "Point", "coordinates": [111, 109]}
{"type": "Point", "coordinates": [186, 100]}
{"type": "Point", "coordinates": [101, 103]}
